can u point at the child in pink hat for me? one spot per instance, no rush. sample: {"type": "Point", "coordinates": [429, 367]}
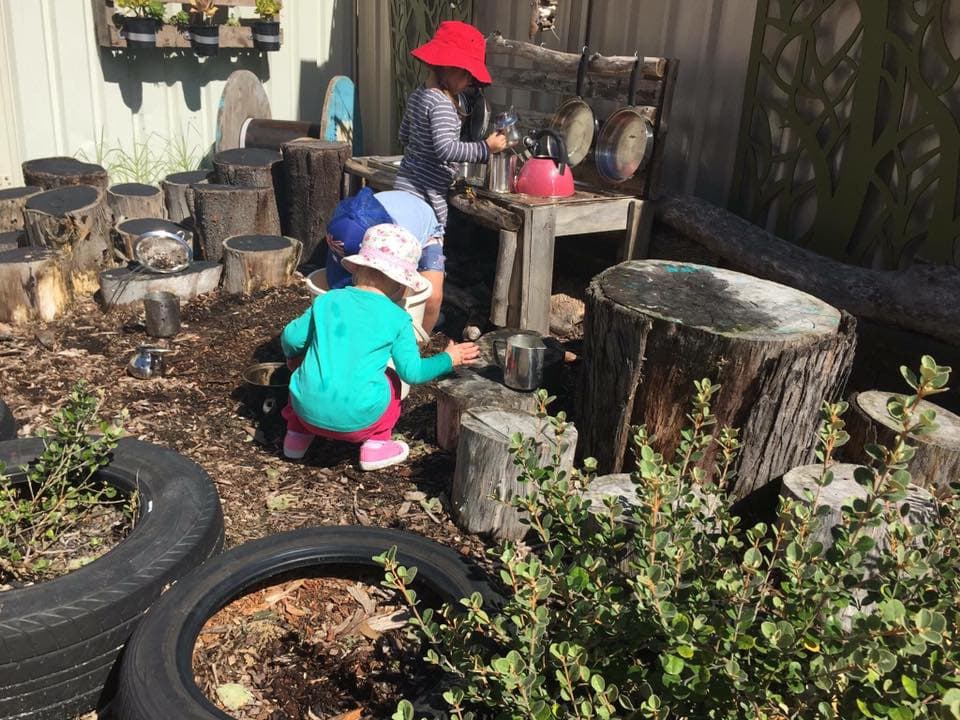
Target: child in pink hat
{"type": "Point", "coordinates": [430, 128]}
{"type": "Point", "coordinates": [342, 388]}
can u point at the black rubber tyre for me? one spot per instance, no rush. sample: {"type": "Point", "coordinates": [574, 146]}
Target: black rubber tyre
{"type": "Point", "coordinates": [156, 675]}
{"type": "Point", "coordinates": [59, 640]}
{"type": "Point", "coordinates": [8, 426]}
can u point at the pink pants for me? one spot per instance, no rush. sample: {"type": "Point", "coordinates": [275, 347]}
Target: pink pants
{"type": "Point", "coordinates": [382, 429]}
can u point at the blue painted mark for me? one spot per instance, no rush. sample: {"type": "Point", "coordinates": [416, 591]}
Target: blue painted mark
{"type": "Point", "coordinates": [680, 269]}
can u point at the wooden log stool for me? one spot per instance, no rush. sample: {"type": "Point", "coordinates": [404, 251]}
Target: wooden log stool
{"type": "Point", "coordinates": [479, 385]}
{"type": "Point", "coordinates": [32, 285]}
{"type": "Point", "coordinates": [12, 202]}
{"type": "Point", "coordinates": [312, 177]}
{"type": "Point", "coordinates": [485, 478]}
{"type": "Point", "coordinates": [654, 327]}
{"type": "Point", "coordinates": [178, 193]}
{"type": "Point", "coordinates": [255, 168]}
{"type": "Point", "coordinates": [222, 211]}
{"type": "Point", "coordinates": [937, 461]}
{"type": "Point", "coordinates": [257, 262]}
{"type": "Point", "coordinates": [54, 172]}
{"type": "Point", "coordinates": [13, 239]}
{"type": "Point", "coordinates": [73, 221]}
{"type": "Point", "coordinates": [127, 232]}
{"type": "Point", "coordinates": [134, 200]}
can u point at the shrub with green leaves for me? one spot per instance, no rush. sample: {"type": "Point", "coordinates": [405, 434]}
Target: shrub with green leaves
{"type": "Point", "coordinates": [51, 496]}
{"type": "Point", "coordinates": [143, 8]}
{"type": "Point", "coordinates": [678, 611]}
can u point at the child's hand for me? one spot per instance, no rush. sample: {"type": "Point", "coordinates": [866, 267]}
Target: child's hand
{"type": "Point", "coordinates": [496, 142]}
{"type": "Point", "coordinates": [464, 353]}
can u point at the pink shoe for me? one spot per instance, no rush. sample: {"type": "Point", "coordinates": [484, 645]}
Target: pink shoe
{"type": "Point", "coordinates": [295, 444]}
{"type": "Point", "coordinates": [378, 454]}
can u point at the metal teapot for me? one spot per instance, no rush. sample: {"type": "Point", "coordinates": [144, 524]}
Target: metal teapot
{"type": "Point", "coordinates": [147, 362]}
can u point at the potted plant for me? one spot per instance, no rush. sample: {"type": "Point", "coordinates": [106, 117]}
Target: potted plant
{"type": "Point", "coordinates": [139, 26]}
{"type": "Point", "coordinates": [266, 31]}
{"type": "Point", "coordinates": [204, 35]}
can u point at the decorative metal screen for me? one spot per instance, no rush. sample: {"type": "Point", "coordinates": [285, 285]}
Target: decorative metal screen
{"type": "Point", "coordinates": [849, 141]}
{"type": "Point", "coordinates": [412, 23]}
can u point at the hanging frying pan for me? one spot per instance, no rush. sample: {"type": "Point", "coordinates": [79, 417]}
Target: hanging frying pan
{"type": "Point", "coordinates": [625, 143]}
{"type": "Point", "coordinates": [574, 120]}
{"type": "Point", "coordinates": [476, 112]}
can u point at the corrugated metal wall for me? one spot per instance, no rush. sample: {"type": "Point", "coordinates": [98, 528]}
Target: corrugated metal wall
{"type": "Point", "coordinates": [63, 94]}
{"type": "Point", "coordinates": [711, 39]}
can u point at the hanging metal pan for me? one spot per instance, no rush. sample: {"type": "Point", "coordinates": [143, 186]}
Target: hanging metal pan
{"type": "Point", "coordinates": [476, 112]}
{"type": "Point", "coordinates": [625, 143]}
{"type": "Point", "coordinates": [574, 120]}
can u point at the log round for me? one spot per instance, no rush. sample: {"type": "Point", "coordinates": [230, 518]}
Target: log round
{"type": "Point", "coordinates": [12, 202]}
{"type": "Point", "coordinates": [921, 508]}
{"type": "Point", "coordinates": [54, 172]}
{"type": "Point", "coordinates": [127, 232]}
{"type": "Point", "coordinates": [485, 478]}
{"type": "Point", "coordinates": [312, 176]}
{"type": "Point", "coordinates": [134, 200]}
{"type": "Point", "coordinates": [257, 262]}
{"type": "Point", "coordinates": [248, 167]}
{"type": "Point", "coordinates": [937, 461]}
{"type": "Point", "coordinates": [32, 285]}
{"type": "Point", "coordinates": [73, 221]}
{"type": "Point", "coordinates": [652, 328]}
{"type": "Point", "coordinates": [222, 211]}
{"type": "Point", "coordinates": [178, 195]}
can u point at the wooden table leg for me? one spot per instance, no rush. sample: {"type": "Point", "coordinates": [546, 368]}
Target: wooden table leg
{"type": "Point", "coordinates": [628, 248]}
{"type": "Point", "coordinates": [538, 236]}
{"type": "Point", "coordinates": [506, 254]}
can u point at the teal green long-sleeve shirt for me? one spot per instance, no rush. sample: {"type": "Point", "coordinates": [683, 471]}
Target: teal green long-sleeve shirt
{"type": "Point", "coordinates": [346, 338]}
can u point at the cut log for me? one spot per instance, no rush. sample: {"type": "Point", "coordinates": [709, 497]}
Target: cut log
{"type": "Point", "coordinates": [178, 195]}
{"type": "Point", "coordinates": [55, 172]}
{"type": "Point", "coordinates": [32, 285]}
{"type": "Point", "coordinates": [248, 167]}
{"type": "Point", "coordinates": [222, 211]}
{"type": "Point", "coordinates": [500, 48]}
{"type": "Point", "coordinates": [73, 221]}
{"type": "Point", "coordinates": [922, 298]}
{"type": "Point", "coordinates": [652, 328]}
{"type": "Point", "coordinates": [134, 200]}
{"type": "Point", "coordinates": [124, 286]}
{"type": "Point", "coordinates": [257, 262]}
{"type": "Point", "coordinates": [12, 202]}
{"type": "Point", "coordinates": [937, 461]}
{"type": "Point", "coordinates": [486, 212]}
{"type": "Point", "coordinates": [127, 232]}
{"type": "Point", "coordinates": [13, 239]}
{"type": "Point", "coordinates": [485, 478]}
{"type": "Point", "coordinates": [313, 170]}
{"type": "Point", "coordinates": [465, 390]}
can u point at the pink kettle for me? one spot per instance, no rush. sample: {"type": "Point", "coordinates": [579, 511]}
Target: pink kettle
{"type": "Point", "coordinates": [547, 173]}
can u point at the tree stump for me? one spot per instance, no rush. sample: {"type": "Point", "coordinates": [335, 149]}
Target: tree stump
{"type": "Point", "coordinates": [248, 167]}
{"type": "Point", "coordinates": [312, 172]}
{"type": "Point", "coordinates": [222, 211]}
{"type": "Point", "coordinates": [12, 202]}
{"type": "Point", "coordinates": [654, 327]}
{"type": "Point", "coordinates": [72, 221]}
{"type": "Point", "coordinates": [134, 200]}
{"type": "Point", "coordinates": [32, 285]}
{"type": "Point", "coordinates": [125, 286]}
{"type": "Point", "coordinates": [937, 460]}
{"type": "Point", "coordinates": [178, 194]}
{"type": "Point", "coordinates": [257, 262]}
{"type": "Point", "coordinates": [127, 232]}
{"type": "Point", "coordinates": [55, 172]}
{"type": "Point", "coordinates": [485, 478]}
{"type": "Point", "coordinates": [13, 239]}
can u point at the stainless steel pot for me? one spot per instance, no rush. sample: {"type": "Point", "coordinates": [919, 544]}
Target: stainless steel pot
{"type": "Point", "coordinates": [522, 360]}
{"type": "Point", "coordinates": [625, 143]}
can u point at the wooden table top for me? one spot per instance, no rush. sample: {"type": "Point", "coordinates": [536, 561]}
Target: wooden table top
{"type": "Point", "coordinates": [387, 166]}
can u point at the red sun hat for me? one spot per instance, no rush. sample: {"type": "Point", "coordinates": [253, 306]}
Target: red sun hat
{"type": "Point", "coordinates": [457, 44]}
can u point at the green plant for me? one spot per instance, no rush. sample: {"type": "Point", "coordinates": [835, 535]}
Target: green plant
{"type": "Point", "coordinates": [203, 10]}
{"type": "Point", "coordinates": [142, 8]}
{"type": "Point", "coordinates": [268, 9]}
{"type": "Point", "coordinates": [179, 19]}
{"type": "Point", "coordinates": [148, 160]}
{"type": "Point", "coordinates": [233, 20]}
{"type": "Point", "coordinates": [680, 612]}
{"type": "Point", "coordinates": [59, 489]}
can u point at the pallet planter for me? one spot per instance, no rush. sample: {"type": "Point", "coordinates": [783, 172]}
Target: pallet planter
{"type": "Point", "coordinates": [205, 39]}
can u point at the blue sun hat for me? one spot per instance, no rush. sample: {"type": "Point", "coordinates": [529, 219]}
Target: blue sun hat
{"type": "Point", "coordinates": [350, 222]}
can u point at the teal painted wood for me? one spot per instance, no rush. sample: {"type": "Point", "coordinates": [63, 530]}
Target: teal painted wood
{"type": "Point", "coordinates": [341, 114]}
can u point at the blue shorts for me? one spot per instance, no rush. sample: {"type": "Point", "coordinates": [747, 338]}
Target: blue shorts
{"type": "Point", "coordinates": [432, 258]}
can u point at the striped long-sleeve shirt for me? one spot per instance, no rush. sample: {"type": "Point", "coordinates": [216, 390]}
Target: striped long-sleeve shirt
{"type": "Point", "coordinates": [430, 133]}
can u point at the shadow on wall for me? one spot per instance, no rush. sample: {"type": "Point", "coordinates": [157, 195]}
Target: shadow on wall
{"type": "Point", "coordinates": [131, 70]}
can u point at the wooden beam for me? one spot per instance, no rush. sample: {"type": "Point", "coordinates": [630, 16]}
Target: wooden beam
{"type": "Point", "coordinates": [535, 80]}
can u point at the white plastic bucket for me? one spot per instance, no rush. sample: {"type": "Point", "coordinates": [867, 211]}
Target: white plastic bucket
{"type": "Point", "coordinates": [414, 304]}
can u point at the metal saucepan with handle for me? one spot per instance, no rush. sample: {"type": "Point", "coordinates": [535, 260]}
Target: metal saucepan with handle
{"type": "Point", "coordinates": [625, 143]}
{"type": "Point", "coordinates": [574, 120]}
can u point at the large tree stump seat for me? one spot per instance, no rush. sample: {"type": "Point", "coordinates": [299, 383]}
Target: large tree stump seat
{"type": "Point", "coordinates": [178, 195]}
{"type": "Point", "coordinates": [135, 200]}
{"type": "Point", "coordinates": [222, 211]}
{"type": "Point", "coordinates": [55, 172]}
{"type": "Point", "coordinates": [258, 262]}
{"type": "Point", "coordinates": [32, 285]}
{"type": "Point", "coordinates": [12, 202]}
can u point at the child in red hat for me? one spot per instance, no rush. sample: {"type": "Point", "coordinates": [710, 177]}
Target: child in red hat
{"type": "Point", "coordinates": [430, 129]}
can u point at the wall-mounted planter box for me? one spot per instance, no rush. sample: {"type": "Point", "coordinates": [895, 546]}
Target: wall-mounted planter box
{"type": "Point", "coordinates": [108, 35]}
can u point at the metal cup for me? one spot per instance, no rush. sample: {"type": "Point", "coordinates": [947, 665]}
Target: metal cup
{"type": "Point", "coordinates": [162, 313]}
{"type": "Point", "coordinates": [523, 359]}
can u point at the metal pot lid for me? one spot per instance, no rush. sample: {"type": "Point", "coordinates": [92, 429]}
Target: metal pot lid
{"type": "Point", "coordinates": [624, 146]}
{"type": "Point", "coordinates": [476, 112]}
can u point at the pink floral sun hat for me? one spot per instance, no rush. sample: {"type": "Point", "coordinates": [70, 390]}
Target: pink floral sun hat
{"type": "Point", "coordinates": [393, 251]}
